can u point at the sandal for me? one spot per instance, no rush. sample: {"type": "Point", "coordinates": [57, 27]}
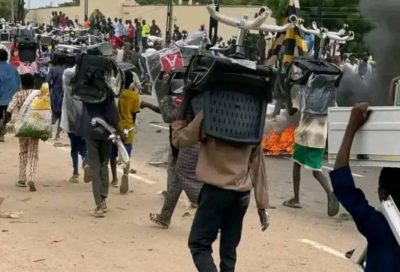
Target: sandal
{"type": "Point", "coordinates": [21, 184]}
{"type": "Point", "coordinates": [292, 204]}
{"type": "Point", "coordinates": [124, 188]}
{"type": "Point", "coordinates": [32, 187]}
{"type": "Point", "coordinates": [155, 218]}
{"type": "Point", "coordinates": [333, 205]}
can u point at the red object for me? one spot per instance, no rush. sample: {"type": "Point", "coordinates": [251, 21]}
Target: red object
{"type": "Point", "coordinates": [178, 101]}
{"type": "Point", "coordinates": [171, 60]}
{"type": "Point", "coordinates": [116, 42]}
{"type": "Point", "coordinates": [14, 60]}
{"type": "Point", "coordinates": [131, 32]}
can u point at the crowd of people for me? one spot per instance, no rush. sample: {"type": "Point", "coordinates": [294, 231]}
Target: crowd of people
{"type": "Point", "coordinates": [217, 176]}
{"type": "Point", "coordinates": [136, 31]}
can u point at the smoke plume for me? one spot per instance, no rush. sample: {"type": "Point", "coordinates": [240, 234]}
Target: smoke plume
{"type": "Point", "coordinates": [384, 44]}
{"type": "Point", "coordinates": [353, 90]}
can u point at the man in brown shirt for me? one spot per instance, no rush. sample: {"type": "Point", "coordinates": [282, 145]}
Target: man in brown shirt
{"type": "Point", "coordinates": [228, 171]}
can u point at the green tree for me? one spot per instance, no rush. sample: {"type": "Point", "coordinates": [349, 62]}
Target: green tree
{"type": "Point", "coordinates": [5, 9]}
{"type": "Point", "coordinates": [70, 4]}
{"type": "Point", "coordinates": [335, 13]}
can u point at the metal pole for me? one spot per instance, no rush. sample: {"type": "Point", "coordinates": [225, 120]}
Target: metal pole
{"type": "Point", "coordinates": [12, 11]}
{"type": "Point", "coordinates": [320, 7]}
{"type": "Point", "coordinates": [21, 11]}
{"type": "Point", "coordinates": [86, 8]}
{"type": "Point", "coordinates": [168, 30]}
{"type": "Point", "coordinates": [213, 28]}
{"type": "Point", "coordinates": [240, 52]}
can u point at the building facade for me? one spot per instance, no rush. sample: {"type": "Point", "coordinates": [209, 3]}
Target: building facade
{"type": "Point", "coordinates": [187, 17]}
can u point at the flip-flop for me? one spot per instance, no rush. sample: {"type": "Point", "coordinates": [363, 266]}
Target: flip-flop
{"type": "Point", "coordinates": [21, 184]}
{"type": "Point", "coordinates": [292, 204]}
{"type": "Point", "coordinates": [155, 219]}
{"type": "Point", "coordinates": [32, 187]}
{"type": "Point", "coordinates": [87, 174]}
{"type": "Point", "coordinates": [333, 205]}
{"type": "Point", "coordinates": [124, 188]}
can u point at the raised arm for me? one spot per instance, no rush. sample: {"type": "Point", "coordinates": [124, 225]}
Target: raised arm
{"type": "Point", "coordinates": [367, 219]}
{"type": "Point", "coordinates": [359, 116]}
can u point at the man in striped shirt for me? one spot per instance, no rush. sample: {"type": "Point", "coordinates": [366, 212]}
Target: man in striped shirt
{"type": "Point", "coordinates": [183, 175]}
{"type": "Point", "coordinates": [28, 147]}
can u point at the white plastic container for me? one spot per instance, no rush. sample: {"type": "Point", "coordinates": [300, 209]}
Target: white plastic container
{"type": "Point", "coordinates": [378, 141]}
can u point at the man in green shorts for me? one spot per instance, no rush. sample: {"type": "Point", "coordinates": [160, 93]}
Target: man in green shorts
{"type": "Point", "coordinates": [309, 150]}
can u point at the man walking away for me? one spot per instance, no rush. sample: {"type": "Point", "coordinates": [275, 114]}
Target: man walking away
{"type": "Point", "coordinates": [229, 172]}
{"type": "Point", "coordinates": [9, 85]}
{"type": "Point", "coordinates": [54, 78]}
{"type": "Point", "coordinates": [99, 148]}
{"type": "Point", "coordinates": [70, 117]}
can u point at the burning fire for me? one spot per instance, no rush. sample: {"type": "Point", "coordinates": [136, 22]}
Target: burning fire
{"type": "Point", "coordinates": [279, 143]}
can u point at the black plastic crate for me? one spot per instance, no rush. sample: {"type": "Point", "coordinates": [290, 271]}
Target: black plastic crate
{"type": "Point", "coordinates": [232, 97]}
{"type": "Point", "coordinates": [27, 49]}
{"type": "Point", "coordinates": [234, 117]}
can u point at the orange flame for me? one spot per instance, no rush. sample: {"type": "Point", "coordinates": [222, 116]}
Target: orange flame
{"type": "Point", "coordinates": [279, 143]}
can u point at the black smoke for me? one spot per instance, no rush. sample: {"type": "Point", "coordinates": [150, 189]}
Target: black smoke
{"type": "Point", "coordinates": [384, 44]}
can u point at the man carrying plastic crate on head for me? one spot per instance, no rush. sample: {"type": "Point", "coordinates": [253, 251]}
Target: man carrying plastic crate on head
{"type": "Point", "coordinates": [96, 85]}
{"type": "Point", "coordinates": [383, 253]}
{"type": "Point", "coordinates": [229, 172]}
{"type": "Point", "coordinates": [317, 93]}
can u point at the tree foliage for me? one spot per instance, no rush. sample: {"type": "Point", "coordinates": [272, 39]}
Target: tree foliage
{"type": "Point", "coordinates": [5, 9]}
{"type": "Point", "coordinates": [335, 13]}
{"type": "Point", "coordinates": [70, 4]}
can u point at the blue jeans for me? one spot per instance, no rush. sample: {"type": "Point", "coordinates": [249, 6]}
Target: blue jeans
{"type": "Point", "coordinates": [128, 148]}
{"type": "Point", "coordinates": [78, 147]}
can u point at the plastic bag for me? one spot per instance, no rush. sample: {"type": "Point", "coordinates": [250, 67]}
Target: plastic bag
{"type": "Point", "coordinates": [32, 123]}
{"type": "Point", "coordinates": [42, 102]}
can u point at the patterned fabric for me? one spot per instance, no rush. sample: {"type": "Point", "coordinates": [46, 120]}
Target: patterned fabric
{"type": "Point", "coordinates": [181, 171]}
{"type": "Point", "coordinates": [169, 109]}
{"type": "Point", "coordinates": [18, 100]}
{"type": "Point", "coordinates": [28, 154]}
{"type": "Point", "coordinates": [171, 170]}
{"type": "Point", "coordinates": [290, 40]}
{"type": "Point", "coordinates": [187, 162]}
{"type": "Point", "coordinates": [184, 180]}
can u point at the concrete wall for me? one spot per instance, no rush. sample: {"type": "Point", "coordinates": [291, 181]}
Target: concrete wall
{"type": "Point", "coordinates": [186, 17]}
